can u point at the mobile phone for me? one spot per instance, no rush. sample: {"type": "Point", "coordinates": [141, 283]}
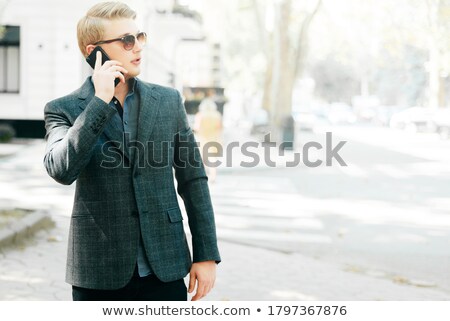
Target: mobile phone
{"type": "Point", "coordinates": [93, 56]}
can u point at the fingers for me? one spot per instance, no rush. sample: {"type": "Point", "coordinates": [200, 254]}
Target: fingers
{"type": "Point", "coordinates": [120, 75]}
{"type": "Point", "coordinates": [209, 286]}
{"type": "Point", "coordinates": [203, 288]}
{"type": "Point", "coordinates": [202, 273]}
{"type": "Point", "coordinates": [118, 72]}
{"type": "Point", "coordinates": [116, 65]}
{"type": "Point", "coordinates": [111, 63]}
{"type": "Point", "coordinates": [98, 60]}
{"type": "Point", "coordinates": [118, 68]}
{"type": "Point", "coordinates": [200, 291]}
{"type": "Point", "coordinates": [192, 279]}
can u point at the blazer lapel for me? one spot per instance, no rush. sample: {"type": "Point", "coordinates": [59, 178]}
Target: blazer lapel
{"type": "Point", "coordinates": [113, 129]}
{"type": "Point", "coordinates": [149, 106]}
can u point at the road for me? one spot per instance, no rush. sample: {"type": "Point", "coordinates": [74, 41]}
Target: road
{"type": "Point", "coordinates": [386, 214]}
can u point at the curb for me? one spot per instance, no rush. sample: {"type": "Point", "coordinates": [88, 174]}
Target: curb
{"type": "Point", "coordinates": [25, 228]}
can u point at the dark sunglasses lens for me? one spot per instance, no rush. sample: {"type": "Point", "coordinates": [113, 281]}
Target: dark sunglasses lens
{"type": "Point", "coordinates": [128, 42]}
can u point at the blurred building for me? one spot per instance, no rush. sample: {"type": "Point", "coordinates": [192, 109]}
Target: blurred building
{"type": "Point", "coordinates": [40, 59]}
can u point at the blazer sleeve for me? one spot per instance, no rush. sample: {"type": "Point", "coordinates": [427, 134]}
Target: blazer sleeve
{"type": "Point", "coordinates": [193, 189]}
{"type": "Point", "coordinates": [69, 147]}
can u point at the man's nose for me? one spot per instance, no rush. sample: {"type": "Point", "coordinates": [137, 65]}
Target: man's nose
{"type": "Point", "coordinates": [138, 46]}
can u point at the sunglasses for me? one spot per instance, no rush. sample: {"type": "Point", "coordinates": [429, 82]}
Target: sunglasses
{"type": "Point", "coordinates": [128, 41]}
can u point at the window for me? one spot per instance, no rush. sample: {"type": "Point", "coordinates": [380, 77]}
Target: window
{"type": "Point", "coordinates": [9, 59]}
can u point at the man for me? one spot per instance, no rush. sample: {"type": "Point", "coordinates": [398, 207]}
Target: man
{"type": "Point", "coordinates": [121, 144]}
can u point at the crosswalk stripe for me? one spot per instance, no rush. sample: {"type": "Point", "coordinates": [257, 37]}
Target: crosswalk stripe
{"type": "Point", "coordinates": [226, 233]}
{"type": "Point", "coordinates": [253, 212]}
{"type": "Point", "coordinates": [272, 223]}
{"type": "Point", "coordinates": [235, 210]}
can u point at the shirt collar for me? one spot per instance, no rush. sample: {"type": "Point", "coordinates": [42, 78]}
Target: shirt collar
{"type": "Point", "coordinates": [132, 84]}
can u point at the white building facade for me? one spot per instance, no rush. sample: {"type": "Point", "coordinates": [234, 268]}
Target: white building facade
{"type": "Point", "coordinates": [40, 59]}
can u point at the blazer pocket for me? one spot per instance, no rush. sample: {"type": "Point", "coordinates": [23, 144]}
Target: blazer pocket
{"type": "Point", "coordinates": [87, 228]}
{"type": "Point", "coordinates": [174, 215]}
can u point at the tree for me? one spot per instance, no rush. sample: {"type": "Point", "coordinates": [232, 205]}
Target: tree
{"type": "Point", "coordinates": [3, 4]}
{"type": "Point", "coordinates": [285, 48]}
{"type": "Point", "coordinates": [438, 14]}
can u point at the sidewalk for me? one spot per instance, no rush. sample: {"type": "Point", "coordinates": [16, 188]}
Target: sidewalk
{"type": "Point", "coordinates": [35, 270]}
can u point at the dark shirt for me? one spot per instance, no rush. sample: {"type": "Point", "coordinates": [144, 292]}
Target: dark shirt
{"type": "Point", "coordinates": [128, 116]}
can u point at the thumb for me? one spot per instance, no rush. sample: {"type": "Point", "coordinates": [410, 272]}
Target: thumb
{"type": "Point", "coordinates": [191, 282]}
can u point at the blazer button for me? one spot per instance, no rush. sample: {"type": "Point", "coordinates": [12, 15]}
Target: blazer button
{"type": "Point", "coordinates": [135, 213]}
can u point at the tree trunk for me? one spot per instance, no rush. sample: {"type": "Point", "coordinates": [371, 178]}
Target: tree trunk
{"type": "Point", "coordinates": [266, 100]}
{"type": "Point", "coordinates": [284, 61]}
{"type": "Point", "coordinates": [436, 94]}
{"type": "Point", "coordinates": [288, 64]}
{"type": "Point", "coordinates": [280, 98]}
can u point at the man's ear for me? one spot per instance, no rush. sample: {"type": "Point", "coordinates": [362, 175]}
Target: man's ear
{"type": "Point", "coordinates": [89, 49]}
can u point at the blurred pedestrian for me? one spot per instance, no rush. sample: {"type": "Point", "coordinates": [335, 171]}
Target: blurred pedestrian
{"type": "Point", "coordinates": [208, 127]}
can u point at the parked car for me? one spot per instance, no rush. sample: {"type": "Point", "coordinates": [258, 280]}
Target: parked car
{"type": "Point", "coordinates": [340, 113]}
{"type": "Point", "coordinates": [260, 122]}
{"type": "Point", "coordinates": [441, 121]}
{"type": "Point", "coordinates": [383, 114]}
{"type": "Point", "coordinates": [309, 120]}
{"type": "Point", "coordinates": [414, 119]}
{"type": "Point", "coordinates": [305, 121]}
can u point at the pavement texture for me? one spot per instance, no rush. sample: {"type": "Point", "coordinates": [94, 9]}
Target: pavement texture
{"type": "Point", "coordinates": [33, 269]}
{"type": "Point", "coordinates": [16, 229]}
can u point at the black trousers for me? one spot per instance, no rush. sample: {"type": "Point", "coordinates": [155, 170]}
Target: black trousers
{"type": "Point", "coordinates": [148, 288]}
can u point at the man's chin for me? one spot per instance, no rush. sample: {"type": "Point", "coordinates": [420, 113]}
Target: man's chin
{"type": "Point", "coordinates": [132, 74]}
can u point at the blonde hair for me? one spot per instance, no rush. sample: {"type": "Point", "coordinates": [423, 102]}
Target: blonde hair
{"type": "Point", "coordinates": [90, 28]}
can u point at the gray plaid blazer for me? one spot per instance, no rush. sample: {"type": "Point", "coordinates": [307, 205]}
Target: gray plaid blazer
{"type": "Point", "coordinates": [85, 144]}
